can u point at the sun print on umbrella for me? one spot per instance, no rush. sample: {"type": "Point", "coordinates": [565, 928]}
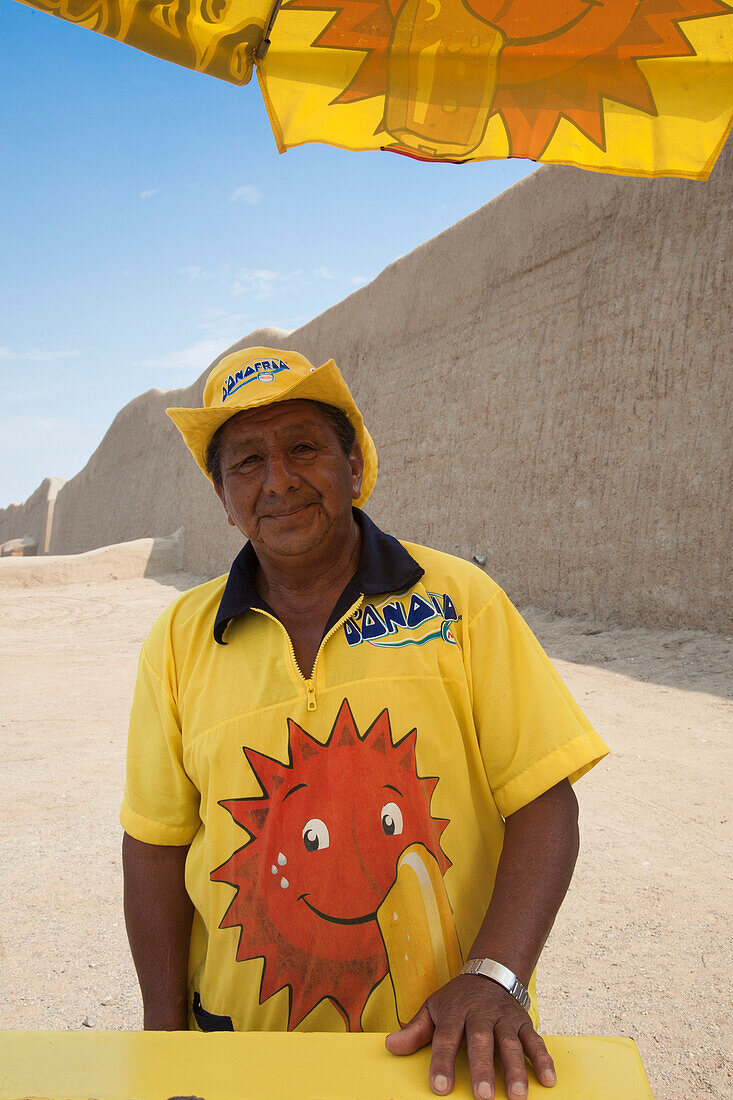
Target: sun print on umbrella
{"type": "Point", "coordinates": [325, 837]}
{"type": "Point", "coordinates": [217, 37]}
{"type": "Point", "coordinates": [445, 67]}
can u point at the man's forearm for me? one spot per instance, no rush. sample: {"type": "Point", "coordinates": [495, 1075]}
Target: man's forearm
{"type": "Point", "coordinates": [537, 860]}
{"type": "Point", "coordinates": [158, 915]}
{"type": "Point", "coordinates": [536, 864]}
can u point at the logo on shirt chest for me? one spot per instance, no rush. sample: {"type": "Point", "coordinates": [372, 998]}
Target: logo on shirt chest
{"type": "Point", "coordinates": [412, 620]}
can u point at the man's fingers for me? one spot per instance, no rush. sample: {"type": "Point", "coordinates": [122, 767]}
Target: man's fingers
{"type": "Point", "coordinates": [447, 1041]}
{"type": "Point", "coordinates": [480, 1048]}
{"type": "Point", "coordinates": [511, 1052]}
{"type": "Point", "coordinates": [535, 1049]}
{"type": "Point", "coordinates": [414, 1035]}
{"type": "Point", "coordinates": [492, 1024]}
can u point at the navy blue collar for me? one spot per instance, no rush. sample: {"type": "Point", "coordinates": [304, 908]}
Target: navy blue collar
{"type": "Point", "coordinates": [384, 567]}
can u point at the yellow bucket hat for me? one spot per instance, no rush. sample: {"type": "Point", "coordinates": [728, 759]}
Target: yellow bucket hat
{"type": "Point", "coordinates": [254, 377]}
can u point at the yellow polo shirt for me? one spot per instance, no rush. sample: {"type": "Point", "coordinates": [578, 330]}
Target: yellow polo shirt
{"type": "Point", "coordinates": [344, 829]}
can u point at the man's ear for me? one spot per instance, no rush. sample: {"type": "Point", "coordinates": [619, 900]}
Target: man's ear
{"type": "Point", "coordinates": [222, 497]}
{"type": "Point", "coordinates": [356, 464]}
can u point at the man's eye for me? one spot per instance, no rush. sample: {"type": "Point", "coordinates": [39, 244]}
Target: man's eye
{"type": "Point", "coordinates": [303, 448]}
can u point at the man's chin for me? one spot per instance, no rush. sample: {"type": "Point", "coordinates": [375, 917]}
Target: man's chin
{"type": "Point", "coordinates": [292, 539]}
{"type": "Point", "coordinates": [292, 549]}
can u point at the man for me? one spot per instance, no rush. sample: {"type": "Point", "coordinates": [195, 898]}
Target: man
{"type": "Point", "coordinates": [355, 752]}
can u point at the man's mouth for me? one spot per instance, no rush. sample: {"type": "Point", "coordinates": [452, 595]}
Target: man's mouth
{"type": "Point", "coordinates": [289, 513]}
{"type": "Point", "coordinates": [338, 920]}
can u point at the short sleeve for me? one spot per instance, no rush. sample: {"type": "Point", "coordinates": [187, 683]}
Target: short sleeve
{"type": "Point", "coordinates": [532, 734]}
{"type": "Point", "coordinates": [161, 804]}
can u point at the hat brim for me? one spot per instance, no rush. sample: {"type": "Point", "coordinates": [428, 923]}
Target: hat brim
{"type": "Point", "coordinates": [325, 383]}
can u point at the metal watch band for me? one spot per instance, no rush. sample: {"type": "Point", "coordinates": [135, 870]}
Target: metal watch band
{"type": "Point", "coordinates": [502, 975]}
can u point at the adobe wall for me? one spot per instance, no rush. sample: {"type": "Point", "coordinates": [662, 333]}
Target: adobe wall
{"type": "Point", "coordinates": [140, 558]}
{"type": "Point", "coordinates": [547, 383]}
{"type": "Point", "coordinates": [34, 517]}
{"type": "Point", "coordinates": [141, 483]}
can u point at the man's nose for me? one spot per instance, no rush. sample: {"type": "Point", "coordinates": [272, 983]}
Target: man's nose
{"type": "Point", "coordinates": [280, 474]}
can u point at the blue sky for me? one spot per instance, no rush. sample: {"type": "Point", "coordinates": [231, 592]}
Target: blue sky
{"type": "Point", "coordinates": [147, 222]}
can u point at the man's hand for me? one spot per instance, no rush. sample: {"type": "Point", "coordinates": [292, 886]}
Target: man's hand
{"type": "Point", "coordinates": [535, 868]}
{"type": "Point", "coordinates": [476, 1010]}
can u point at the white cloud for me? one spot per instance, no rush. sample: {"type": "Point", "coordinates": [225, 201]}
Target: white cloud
{"type": "Point", "coordinates": [35, 355]}
{"type": "Point", "coordinates": [60, 448]}
{"type": "Point", "coordinates": [248, 194]}
{"type": "Point", "coordinates": [149, 194]}
{"type": "Point", "coordinates": [17, 430]}
{"type": "Point", "coordinates": [219, 330]}
{"type": "Point", "coordinates": [225, 327]}
{"type": "Point", "coordinates": [323, 273]}
{"type": "Point", "coordinates": [195, 357]}
{"type": "Point", "coordinates": [262, 284]}
{"type": "Point", "coordinates": [358, 280]}
{"type": "Point", "coordinates": [194, 274]}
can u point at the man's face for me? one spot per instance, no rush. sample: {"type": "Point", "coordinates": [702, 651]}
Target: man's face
{"type": "Point", "coordinates": [286, 482]}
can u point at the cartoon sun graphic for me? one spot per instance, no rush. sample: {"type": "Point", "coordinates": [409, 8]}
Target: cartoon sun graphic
{"type": "Point", "coordinates": [530, 63]}
{"type": "Point", "coordinates": [325, 837]}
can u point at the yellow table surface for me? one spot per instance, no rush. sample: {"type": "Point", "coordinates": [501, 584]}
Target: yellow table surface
{"type": "Point", "coordinates": [134, 1065]}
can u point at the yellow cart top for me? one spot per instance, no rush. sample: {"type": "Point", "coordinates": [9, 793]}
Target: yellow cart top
{"type": "Point", "coordinates": [134, 1065]}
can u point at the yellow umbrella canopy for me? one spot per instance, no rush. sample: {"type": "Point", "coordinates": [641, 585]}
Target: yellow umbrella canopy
{"type": "Point", "coordinates": [218, 37]}
{"type": "Point", "coordinates": [637, 87]}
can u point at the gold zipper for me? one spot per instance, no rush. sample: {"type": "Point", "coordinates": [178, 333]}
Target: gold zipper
{"type": "Point", "coordinates": [310, 685]}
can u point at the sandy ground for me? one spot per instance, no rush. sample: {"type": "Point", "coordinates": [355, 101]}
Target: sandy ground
{"type": "Point", "coordinates": [641, 946]}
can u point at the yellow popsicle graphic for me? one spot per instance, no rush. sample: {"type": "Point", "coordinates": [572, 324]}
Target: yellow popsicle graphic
{"type": "Point", "coordinates": [416, 923]}
{"type": "Point", "coordinates": [439, 50]}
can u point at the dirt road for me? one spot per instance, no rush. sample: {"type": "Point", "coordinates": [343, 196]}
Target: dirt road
{"type": "Point", "coordinates": [641, 946]}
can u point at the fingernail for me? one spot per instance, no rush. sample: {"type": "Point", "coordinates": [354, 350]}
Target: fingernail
{"type": "Point", "coordinates": [485, 1090]}
{"type": "Point", "coordinates": [440, 1083]}
{"type": "Point", "coordinates": [517, 1089]}
{"type": "Point", "coordinates": [548, 1077]}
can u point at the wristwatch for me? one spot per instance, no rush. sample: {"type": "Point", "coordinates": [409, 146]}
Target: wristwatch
{"type": "Point", "coordinates": [502, 975]}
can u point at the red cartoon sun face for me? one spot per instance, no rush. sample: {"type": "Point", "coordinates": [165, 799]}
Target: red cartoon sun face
{"type": "Point", "coordinates": [326, 835]}
{"type": "Point", "coordinates": [445, 67]}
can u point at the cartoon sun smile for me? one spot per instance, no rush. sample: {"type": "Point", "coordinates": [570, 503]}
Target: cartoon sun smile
{"type": "Point", "coordinates": [545, 35]}
{"type": "Point", "coordinates": [530, 64]}
{"type": "Point", "coordinates": [325, 839]}
{"type": "Point", "coordinates": [338, 920]}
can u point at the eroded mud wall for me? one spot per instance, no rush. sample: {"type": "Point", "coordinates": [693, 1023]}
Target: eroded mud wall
{"type": "Point", "coordinates": [141, 483]}
{"type": "Point", "coordinates": [34, 517]}
{"type": "Point", "coordinates": [548, 385]}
